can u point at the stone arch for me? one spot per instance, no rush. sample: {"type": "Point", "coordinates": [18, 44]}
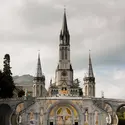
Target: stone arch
{"type": "Point", "coordinates": [108, 105]}
{"type": "Point", "coordinates": [120, 111]}
{"type": "Point", "coordinates": [16, 115]}
{"type": "Point", "coordinates": [65, 103]}
{"type": "Point", "coordinates": [5, 114]}
{"type": "Point", "coordinates": [120, 107]}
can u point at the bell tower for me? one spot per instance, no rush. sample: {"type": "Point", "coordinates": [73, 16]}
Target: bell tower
{"type": "Point", "coordinates": [64, 71]}
{"type": "Point", "coordinates": [39, 81]}
{"type": "Point", "coordinates": [89, 81]}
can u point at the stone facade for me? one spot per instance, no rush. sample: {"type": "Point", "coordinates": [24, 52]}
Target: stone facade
{"type": "Point", "coordinates": [64, 103]}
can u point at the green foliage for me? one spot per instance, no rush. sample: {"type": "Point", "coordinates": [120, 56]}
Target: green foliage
{"type": "Point", "coordinates": [121, 115]}
{"type": "Point", "coordinates": [21, 93]}
{"type": "Point", "coordinates": [6, 81]}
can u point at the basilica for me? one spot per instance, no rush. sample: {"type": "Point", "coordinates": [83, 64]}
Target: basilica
{"type": "Point", "coordinates": [65, 102]}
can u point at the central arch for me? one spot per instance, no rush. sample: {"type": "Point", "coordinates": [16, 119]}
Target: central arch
{"type": "Point", "coordinates": [63, 113]}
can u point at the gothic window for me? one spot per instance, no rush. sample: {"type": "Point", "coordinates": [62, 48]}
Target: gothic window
{"type": "Point", "coordinates": [85, 90]}
{"type": "Point", "coordinates": [64, 73]}
{"type": "Point", "coordinates": [65, 52]}
{"type": "Point", "coordinates": [62, 52]}
{"type": "Point", "coordinates": [90, 90]}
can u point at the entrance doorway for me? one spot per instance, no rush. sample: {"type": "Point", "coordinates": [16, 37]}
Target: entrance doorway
{"type": "Point", "coordinates": [76, 123]}
{"type": "Point", "coordinates": [51, 123]}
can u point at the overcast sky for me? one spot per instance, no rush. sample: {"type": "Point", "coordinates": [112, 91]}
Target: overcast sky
{"type": "Point", "coordinates": [27, 26]}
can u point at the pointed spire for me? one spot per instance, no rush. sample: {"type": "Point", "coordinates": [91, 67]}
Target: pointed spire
{"type": "Point", "coordinates": [64, 34]}
{"type": "Point", "coordinates": [39, 69]}
{"type": "Point", "coordinates": [64, 26]}
{"type": "Point", "coordinates": [90, 69]}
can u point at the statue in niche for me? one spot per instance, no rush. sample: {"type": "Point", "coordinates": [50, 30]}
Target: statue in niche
{"type": "Point", "coordinates": [96, 118]}
{"type": "Point", "coordinates": [108, 120]}
{"type": "Point", "coordinates": [41, 116]}
{"type": "Point", "coordinates": [20, 119]}
{"type": "Point", "coordinates": [114, 119]}
{"type": "Point", "coordinates": [86, 117]}
{"type": "Point", "coordinates": [32, 119]}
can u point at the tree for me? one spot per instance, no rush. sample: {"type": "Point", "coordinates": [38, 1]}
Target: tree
{"type": "Point", "coordinates": [6, 81]}
{"type": "Point", "coordinates": [21, 93]}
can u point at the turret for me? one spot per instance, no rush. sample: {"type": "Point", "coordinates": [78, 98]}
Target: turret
{"type": "Point", "coordinates": [89, 80]}
{"type": "Point", "coordinates": [39, 80]}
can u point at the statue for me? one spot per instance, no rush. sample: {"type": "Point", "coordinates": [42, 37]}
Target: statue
{"type": "Point", "coordinates": [86, 117]}
{"type": "Point", "coordinates": [20, 119]}
{"type": "Point", "coordinates": [114, 119]}
{"type": "Point", "coordinates": [108, 119]}
{"type": "Point", "coordinates": [41, 116]}
{"type": "Point", "coordinates": [96, 118]}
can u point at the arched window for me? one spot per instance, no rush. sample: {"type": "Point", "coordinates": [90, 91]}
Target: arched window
{"type": "Point", "coordinates": [62, 52]}
{"type": "Point", "coordinates": [65, 52]}
{"type": "Point", "coordinates": [86, 90]}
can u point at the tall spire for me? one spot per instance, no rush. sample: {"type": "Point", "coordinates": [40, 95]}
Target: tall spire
{"type": "Point", "coordinates": [64, 34]}
{"type": "Point", "coordinates": [39, 75]}
{"type": "Point", "coordinates": [39, 69]}
{"type": "Point", "coordinates": [90, 69]}
{"type": "Point", "coordinates": [64, 25]}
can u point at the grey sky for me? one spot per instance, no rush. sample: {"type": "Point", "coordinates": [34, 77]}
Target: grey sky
{"type": "Point", "coordinates": [29, 25]}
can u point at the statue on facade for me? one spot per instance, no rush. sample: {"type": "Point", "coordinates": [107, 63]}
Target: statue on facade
{"type": "Point", "coordinates": [86, 117]}
{"type": "Point", "coordinates": [115, 121]}
{"type": "Point", "coordinates": [108, 120]}
{"type": "Point", "coordinates": [41, 117]}
{"type": "Point", "coordinates": [20, 119]}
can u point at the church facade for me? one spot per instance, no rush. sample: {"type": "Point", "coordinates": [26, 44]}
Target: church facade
{"type": "Point", "coordinates": [65, 102]}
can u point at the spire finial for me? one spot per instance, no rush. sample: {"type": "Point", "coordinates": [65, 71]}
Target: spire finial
{"type": "Point", "coordinates": [89, 53]}
{"type": "Point", "coordinates": [38, 53]}
{"type": "Point", "coordinates": [64, 8]}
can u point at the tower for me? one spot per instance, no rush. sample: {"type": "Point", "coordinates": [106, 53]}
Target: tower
{"type": "Point", "coordinates": [64, 71]}
{"type": "Point", "coordinates": [89, 80]}
{"type": "Point", "coordinates": [39, 80]}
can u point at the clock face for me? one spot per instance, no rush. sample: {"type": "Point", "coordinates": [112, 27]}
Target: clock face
{"type": "Point", "coordinates": [64, 73]}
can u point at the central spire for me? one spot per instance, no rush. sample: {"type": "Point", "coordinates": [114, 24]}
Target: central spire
{"type": "Point", "coordinates": [64, 71]}
{"type": "Point", "coordinates": [64, 34]}
{"type": "Point", "coordinates": [64, 25]}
